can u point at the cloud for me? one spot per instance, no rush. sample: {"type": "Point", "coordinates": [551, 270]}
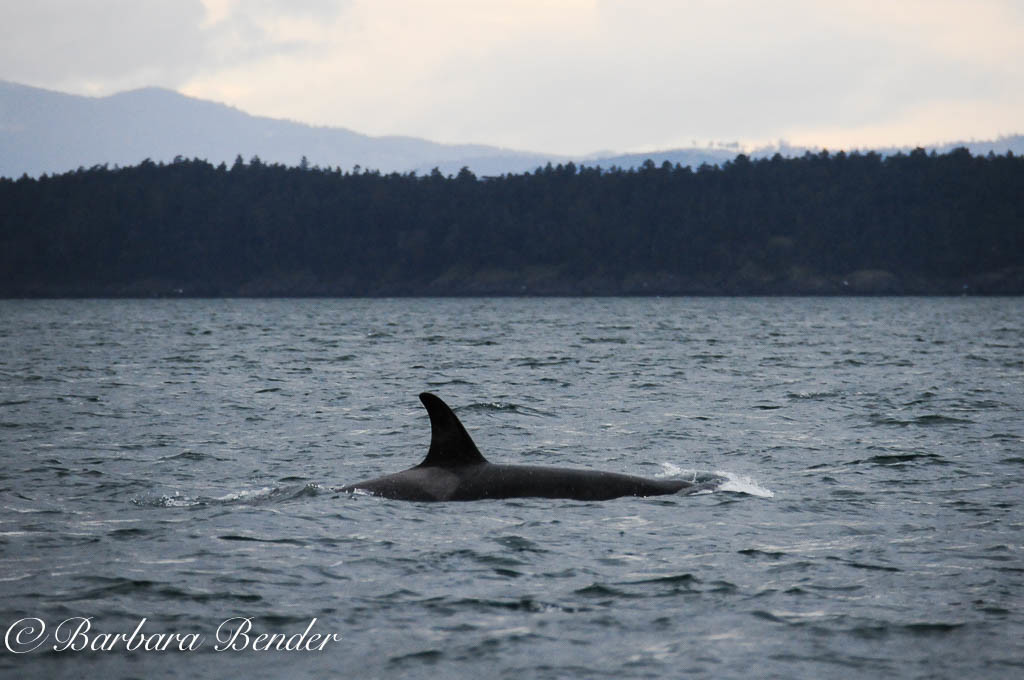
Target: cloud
{"type": "Point", "coordinates": [553, 75]}
{"type": "Point", "coordinates": [102, 46]}
{"type": "Point", "coordinates": [99, 45]}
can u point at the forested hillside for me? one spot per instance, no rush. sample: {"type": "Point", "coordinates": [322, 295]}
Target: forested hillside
{"type": "Point", "coordinates": [818, 224]}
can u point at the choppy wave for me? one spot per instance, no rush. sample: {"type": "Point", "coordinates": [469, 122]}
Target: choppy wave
{"type": "Point", "coordinates": [856, 462]}
{"type": "Point", "coordinates": [503, 407]}
{"type": "Point", "coordinates": [241, 497]}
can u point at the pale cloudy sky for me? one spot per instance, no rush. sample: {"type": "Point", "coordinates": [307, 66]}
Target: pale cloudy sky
{"type": "Point", "coordinates": [560, 76]}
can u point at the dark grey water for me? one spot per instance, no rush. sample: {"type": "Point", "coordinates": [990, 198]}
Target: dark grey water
{"type": "Point", "coordinates": [173, 461]}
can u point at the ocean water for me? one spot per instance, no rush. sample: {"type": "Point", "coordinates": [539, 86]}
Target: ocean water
{"type": "Point", "coordinates": [169, 469]}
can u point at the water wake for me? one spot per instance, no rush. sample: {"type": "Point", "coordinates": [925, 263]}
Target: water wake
{"type": "Point", "coordinates": [720, 480]}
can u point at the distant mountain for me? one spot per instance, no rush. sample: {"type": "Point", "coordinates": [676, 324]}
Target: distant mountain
{"type": "Point", "coordinates": [716, 155]}
{"type": "Point", "coordinates": [42, 131]}
{"type": "Point", "coordinates": [45, 131]}
{"type": "Point", "coordinates": [999, 146]}
{"type": "Point", "coordinates": [693, 158]}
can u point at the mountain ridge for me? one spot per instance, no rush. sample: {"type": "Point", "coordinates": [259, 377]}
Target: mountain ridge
{"type": "Point", "coordinates": [47, 131]}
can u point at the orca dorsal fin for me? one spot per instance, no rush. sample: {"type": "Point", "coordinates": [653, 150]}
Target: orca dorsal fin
{"type": "Point", "coordinates": [450, 444]}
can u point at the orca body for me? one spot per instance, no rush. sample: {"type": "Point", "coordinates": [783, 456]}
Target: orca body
{"type": "Point", "coordinates": [454, 470]}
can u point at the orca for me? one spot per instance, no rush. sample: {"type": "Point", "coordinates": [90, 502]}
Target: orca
{"type": "Point", "coordinates": [454, 470]}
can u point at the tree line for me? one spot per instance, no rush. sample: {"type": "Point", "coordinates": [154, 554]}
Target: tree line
{"type": "Point", "coordinates": [817, 224]}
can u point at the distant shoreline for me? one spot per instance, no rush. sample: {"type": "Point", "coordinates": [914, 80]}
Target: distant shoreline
{"type": "Point", "coordinates": [1009, 285]}
{"type": "Point", "coordinates": [531, 284]}
{"type": "Point", "coordinates": [871, 283]}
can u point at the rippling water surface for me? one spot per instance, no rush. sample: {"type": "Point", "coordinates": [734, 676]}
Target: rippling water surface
{"type": "Point", "coordinates": [174, 461]}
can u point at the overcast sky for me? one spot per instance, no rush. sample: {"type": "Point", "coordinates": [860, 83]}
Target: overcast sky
{"type": "Point", "coordinates": [560, 76]}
